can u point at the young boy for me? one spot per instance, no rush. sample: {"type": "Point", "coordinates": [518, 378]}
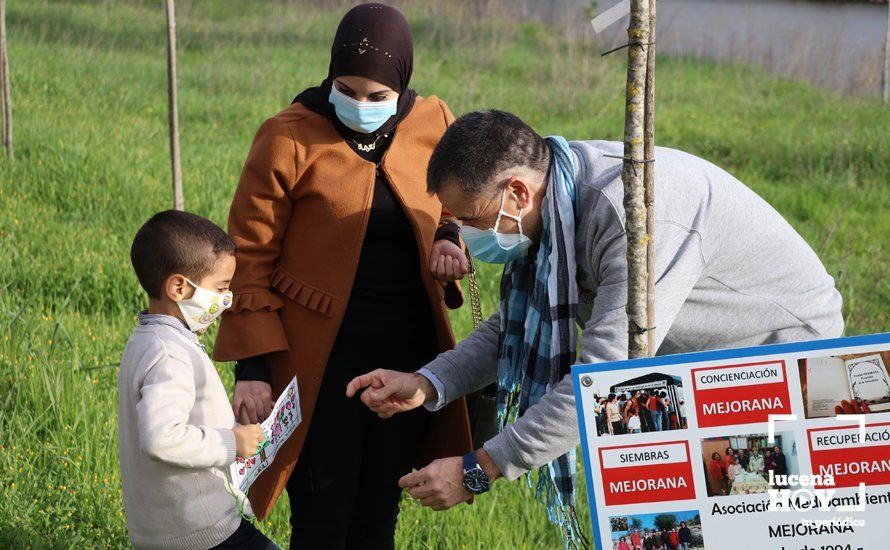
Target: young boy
{"type": "Point", "coordinates": [177, 432]}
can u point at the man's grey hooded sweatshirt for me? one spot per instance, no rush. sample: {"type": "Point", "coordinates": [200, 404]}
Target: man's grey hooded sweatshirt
{"type": "Point", "coordinates": [730, 272]}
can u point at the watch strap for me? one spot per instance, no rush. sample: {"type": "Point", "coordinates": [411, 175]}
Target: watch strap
{"type": "Point", "coordinates": [470, 461]}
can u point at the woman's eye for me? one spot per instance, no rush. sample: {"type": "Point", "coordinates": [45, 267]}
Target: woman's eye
{"type": "Point", "coordinates": [379, 98]}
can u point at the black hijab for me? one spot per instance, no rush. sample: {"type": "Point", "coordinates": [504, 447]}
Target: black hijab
{"type": "Point", "coordinates": [373, 41]}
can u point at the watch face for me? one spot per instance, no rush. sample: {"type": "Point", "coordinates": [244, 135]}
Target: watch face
{"type": "Point", "coordinates": [476, 481]}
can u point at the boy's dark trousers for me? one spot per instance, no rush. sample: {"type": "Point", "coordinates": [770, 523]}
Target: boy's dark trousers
{"type": "Point", "coordinates": [247, 537]}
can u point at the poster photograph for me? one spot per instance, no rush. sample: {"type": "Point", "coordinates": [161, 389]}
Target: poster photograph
{"type": "Point", "coordinates": [653, 402]}
{"type": "Point", "coordinates": [744, 464]}
{"type": "Point", "coordinates": [658, 530]}
{"type": "Point", "coordinates": [845, 384]}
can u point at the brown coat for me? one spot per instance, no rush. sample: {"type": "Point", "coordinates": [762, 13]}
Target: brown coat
{"type": "Point", "coordinates": [299, 217]}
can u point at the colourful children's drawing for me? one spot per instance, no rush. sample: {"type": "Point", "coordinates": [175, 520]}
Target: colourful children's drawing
{"type": "Point", "coordinates": [277, 428]}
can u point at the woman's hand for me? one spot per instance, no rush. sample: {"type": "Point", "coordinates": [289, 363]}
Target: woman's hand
{"type": "Point", "coordinates": [447, 261]}
{"type": "Point", "coordinates": [252, 401]}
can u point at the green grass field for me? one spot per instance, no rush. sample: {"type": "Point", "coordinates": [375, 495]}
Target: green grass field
{"type": "Point", "coordinates": [89, 86]}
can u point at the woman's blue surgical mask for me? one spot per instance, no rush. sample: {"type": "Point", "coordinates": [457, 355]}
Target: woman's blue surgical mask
{"type": "Point", "coordinates": [362, 116]}
{"type": "Point", "coordinates": [496, 248]}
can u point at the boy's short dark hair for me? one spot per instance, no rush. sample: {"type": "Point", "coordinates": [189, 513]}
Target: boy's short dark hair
{"type": "Point", "coordinates": [173, 241]}
{"type": "Point", "coordinates": [482, 144]}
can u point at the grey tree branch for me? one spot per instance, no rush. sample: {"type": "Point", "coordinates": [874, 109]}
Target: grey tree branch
{"type": "Point", "coordinates": [649, 180]}
{"type": "Point", "coordinates": [632, 176]}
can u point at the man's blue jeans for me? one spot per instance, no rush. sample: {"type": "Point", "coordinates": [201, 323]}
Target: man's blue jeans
{"type": "Point", "coordinates": [656, 419]}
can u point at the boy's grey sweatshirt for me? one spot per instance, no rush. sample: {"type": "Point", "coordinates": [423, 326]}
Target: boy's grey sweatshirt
{"type": "Point", "coordinates": [175, 436]}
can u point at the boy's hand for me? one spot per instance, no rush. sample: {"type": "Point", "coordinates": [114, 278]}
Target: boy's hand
{"type": "Point", "coordinates": [447, 261]}
{"type": "Point", "coordinates": [248, 439]}
{"type": "Point", "coordinates": [254, 398]}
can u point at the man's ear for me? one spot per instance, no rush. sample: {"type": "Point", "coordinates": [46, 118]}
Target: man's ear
{"type": "Point", "coordinates": [176, 288]}
{"type": "Point", "coordinates": [520, 192]}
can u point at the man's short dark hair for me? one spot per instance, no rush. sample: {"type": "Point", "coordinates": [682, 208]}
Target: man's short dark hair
{"type": "Point", "coordinates": [482, 144]}
{"type": "Point", "coordinates": [177, 242]}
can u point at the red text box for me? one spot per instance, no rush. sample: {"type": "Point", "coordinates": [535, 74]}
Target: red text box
{"type": "Point", "coordinates": [740, 394]}
{"type": "Point", "coordinates": [840, 452]}
{"type": "Point", "coordinates": [648, 472]}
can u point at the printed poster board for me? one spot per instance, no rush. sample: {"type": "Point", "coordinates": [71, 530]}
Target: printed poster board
{"type": "Point", "coordinates": [687, 459]}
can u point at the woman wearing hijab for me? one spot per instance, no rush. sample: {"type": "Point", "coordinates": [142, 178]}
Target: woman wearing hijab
{"type": "Point", "coordinates": [345, 264]}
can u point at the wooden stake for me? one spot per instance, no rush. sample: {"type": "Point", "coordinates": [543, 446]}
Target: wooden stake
{"type": "Point", "coordinates": [649, 180]}
{"type": "Point", "coordinates": [632, 176]}
{"type": "Point", "coordinates": [5, 92]}
{"type": "Point", "coordinates": [173, 107]}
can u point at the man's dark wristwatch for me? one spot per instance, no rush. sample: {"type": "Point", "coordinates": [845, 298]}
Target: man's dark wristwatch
{"type": "Point", "coordinates": [475, 479]}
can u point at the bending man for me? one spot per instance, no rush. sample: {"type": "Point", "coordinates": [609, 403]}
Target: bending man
{"type": "Point", "coordinates": [730, 272]}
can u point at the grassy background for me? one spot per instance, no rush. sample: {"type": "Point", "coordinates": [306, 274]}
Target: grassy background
{"type": "Point", "coordinates": [89, 85]}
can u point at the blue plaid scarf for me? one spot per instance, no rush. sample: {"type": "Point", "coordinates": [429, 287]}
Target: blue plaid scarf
{"type": "Point", "coordinates": [539, 303]}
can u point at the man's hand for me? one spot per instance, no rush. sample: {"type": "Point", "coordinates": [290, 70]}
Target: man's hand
{"type": "Point", "coordinates": [441, 484]}
{"type": "Point", "coordinates": [252, 401]}
{"type": "Point", "coordinates": [438, 486]}
{"type": "Point", "coordinates": [391, 392]}
{"type": "Point", "coordinates": [447, 261]}
{"type": "Point", "coordinates": [248, 439]}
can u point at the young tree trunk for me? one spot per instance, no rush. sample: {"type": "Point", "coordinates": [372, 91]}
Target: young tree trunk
{"type": "Point", "coordinates": [632, 176]}
{"type": "Point", "coordinates": [886, 79]}
{"type": "Point", "coordinates": [5, 92]}
{"type": "Point", "coordinates": [173, 107]}
{"type": "Point", "coordinates": [649, 180]}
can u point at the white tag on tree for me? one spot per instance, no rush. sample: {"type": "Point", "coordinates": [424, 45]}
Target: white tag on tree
{"type": "Point", "coordinates": [604, 20]}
